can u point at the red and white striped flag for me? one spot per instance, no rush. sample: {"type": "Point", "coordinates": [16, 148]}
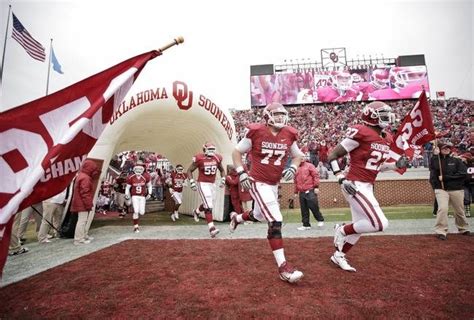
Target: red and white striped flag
{"type": "Point", "coordinates": [24, 38]}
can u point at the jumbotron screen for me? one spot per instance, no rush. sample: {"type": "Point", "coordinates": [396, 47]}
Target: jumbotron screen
{"type": "Point", "coordinates": [388, 83]}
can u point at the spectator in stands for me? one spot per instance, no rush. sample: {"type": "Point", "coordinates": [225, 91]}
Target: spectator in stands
{"type": "Point", "coordinates": [307, 188]}
{"type": "Point", "coordinates": [447, 176]}
{"type": "Point", "coordinates": [323, 171]}
{"type": "Point", "coordinates": [82, 201]}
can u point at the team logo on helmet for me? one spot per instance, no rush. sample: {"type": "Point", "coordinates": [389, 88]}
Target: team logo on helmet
{"type": "Point", "coordinates": [275, 115]}
{"type": "Point", "coordinates": [377, 114]}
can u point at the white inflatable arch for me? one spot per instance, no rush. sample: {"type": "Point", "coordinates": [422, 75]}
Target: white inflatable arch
{"type": "Point", "coordinates": [174, 120]}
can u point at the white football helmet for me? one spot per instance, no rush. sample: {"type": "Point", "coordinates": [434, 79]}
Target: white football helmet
{"type": "Point", "coordinates": [403, 76]}
{"type": "Point", "coordinates": [209, 149]}
{"type": "Point", "coordinates": [275, 115]}
{"type": "Point", "coordinates": [380, 78]}
{"type": "Point", "coordinates": [139, 168]}
{"type": "Point", "coordinates": [341, 80]}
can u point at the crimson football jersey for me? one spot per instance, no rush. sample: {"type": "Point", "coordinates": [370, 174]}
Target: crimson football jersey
{"type": "Point", "coordinates": [269, 152]}
{"type": "Point", "coordinates": [177, 181]}
{"type": "Point", "coordinates": [366, 159]}
{"type": "Point", "coordinates": [207, 166]}
{"type": "Point", "coordinates": [139, 184]}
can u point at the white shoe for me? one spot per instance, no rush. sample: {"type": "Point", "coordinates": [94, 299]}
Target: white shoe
{"type": "Point", "coordinates": [84, 241]}
{"type": "Point", "coordinates": [339, 237]}
{"type": "Point", "coordinates": [289, 274]}
{"type": "Point", "coordinates": [45, 241]}
{"type": "Point", "coordinates": [339, 259]}
{"type": "Point", "coordinates": [176, 215]}
{"type": "Point", "coordinates": [89, 238]}
{"type": "Point", "coordinates": [303, 228]}
{"type": "Point", "coordinates": [214, 232]}
{"type": "Point", "coordinates": [136, 229]}
{"type": "Point", "coordinates": [172, 217]}
{"type": "Point", "coordinates": [233, 221]}
{"type": "Point", "coordinates": [196, 216]}
{"type": "Point", "coordinates": [321, 224]}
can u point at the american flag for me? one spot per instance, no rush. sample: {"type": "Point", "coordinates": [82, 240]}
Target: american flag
{"type": "Point", "coordinates": [23, 37]}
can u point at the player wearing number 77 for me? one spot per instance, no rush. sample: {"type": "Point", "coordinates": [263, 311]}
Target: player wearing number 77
{"type": "Point", "coordinates": [269, 145]}
{"type": "Point", "coordinates": [368, 147]}
{"type": "Point", "coordinates": [207, 164]}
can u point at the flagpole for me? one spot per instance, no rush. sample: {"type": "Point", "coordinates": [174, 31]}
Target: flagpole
{"type": "Point", "coordinates": [49, 65]}
{"type": "Point", "coordinates": [5, 46]}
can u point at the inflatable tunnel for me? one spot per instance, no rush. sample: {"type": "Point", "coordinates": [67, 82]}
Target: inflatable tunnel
{"type": "Point", "coordinates": [174, 120]}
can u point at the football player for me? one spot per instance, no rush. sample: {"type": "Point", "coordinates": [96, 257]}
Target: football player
{"type": "Point", "coordinates": [368, 146]}
{"type": "Point", "coordinates": [175, 184]}
{"type": "Point", "coordinates": [138, 190]}
{"type": "Point", "coordinates": [120, 186]}
{"type": "Point", "coordinates": [207, 164]}
{"type": "Point", "coordinates": [269, 146]}
{"type": "Point", "coordinates": [341, 89]}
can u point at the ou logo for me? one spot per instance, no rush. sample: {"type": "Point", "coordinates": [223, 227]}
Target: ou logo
{"type": "Point", "coordinates": [181, 94]}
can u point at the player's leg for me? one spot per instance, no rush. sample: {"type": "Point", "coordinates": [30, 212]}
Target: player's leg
{"type": "Point", "coordinates": [135, 205]}
{"type": "Point", "coordinates": [206, 191]}
{"type": "Point", "coordinates": [266, 198]}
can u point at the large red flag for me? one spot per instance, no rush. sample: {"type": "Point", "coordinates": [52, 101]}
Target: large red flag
{"type": "Point", "coordinates": [44, 142]}
{"type": "Point", "coordinates": [416, 129]}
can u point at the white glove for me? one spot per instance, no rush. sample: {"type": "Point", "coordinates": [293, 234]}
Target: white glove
{"type": "Point", "coordinates": [171, 190]}
{"type": "Point", "coordinates": [348, 186]}
{"type": "Point", "coordinates": [148, 197]}
{"type": "Point", "coordinates": [244, 180]}
{"type": "Point", "coordinates": [222, 182]}
{"type": "Point", "coordinates": [289, 173]}
{"type": "Point", "coordinates": [127, 197]}
{"type": "Point", "coordinates": [192, 185]}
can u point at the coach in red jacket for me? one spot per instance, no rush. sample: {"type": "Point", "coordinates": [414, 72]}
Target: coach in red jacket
{"type": "Point", "coordinates": [306, 186]}
{"type": "Point", "coordinates": [83, 200]}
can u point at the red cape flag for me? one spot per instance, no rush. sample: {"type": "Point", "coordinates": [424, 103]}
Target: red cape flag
{"type": "Point", "coordinates": [416, 129]}
{"type": "Point", "coordinates": [44, 142]}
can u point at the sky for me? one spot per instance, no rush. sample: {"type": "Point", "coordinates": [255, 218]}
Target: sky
{"type": "Point", "coordinates": [223, 39]}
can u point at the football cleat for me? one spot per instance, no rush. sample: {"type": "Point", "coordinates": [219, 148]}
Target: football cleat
{"type": "Point", "coordinates": [339, 259]}
{"type": "Point", "coordinates": [172, 217]}
{"type": "Point", "coordinates": [196, 216]}
{"type": "Point", "coordinates": [176, 215]}
{"type": "Point", "coordinates": [233, 221]}
{"type": "Point", "coordinates": [289, 274]}
{"type": "Point", "coordinates": [214, 232]}
{"type": "Point", "coordinates": [136, 229]}
{"type": "Point", "coordinates": [339, 237]}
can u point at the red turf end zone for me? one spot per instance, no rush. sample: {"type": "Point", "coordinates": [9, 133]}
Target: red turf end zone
{"type": "Point", "coordinates": [398, 277]}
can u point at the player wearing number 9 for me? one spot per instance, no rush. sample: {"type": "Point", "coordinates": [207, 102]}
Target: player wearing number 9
{"type": "Point", "coordinates": [368, 146]}
{"type": "Point", "coordinates": [269, 145]}
{"type": "Point", "coordinates": [139, 190]}
{"type": "Point", "coordinates": [207, 163]}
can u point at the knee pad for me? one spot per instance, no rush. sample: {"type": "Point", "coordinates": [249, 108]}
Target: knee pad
{"type": "Point", "coordinates": [274, 230]}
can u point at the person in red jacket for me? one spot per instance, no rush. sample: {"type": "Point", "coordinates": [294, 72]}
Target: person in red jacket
{"type": "Point", "coordinates": [83, 199]}
{"type": "Point", "coordinates": [307, 187]}
{"type": "Point", "coordinates": [232, 182]}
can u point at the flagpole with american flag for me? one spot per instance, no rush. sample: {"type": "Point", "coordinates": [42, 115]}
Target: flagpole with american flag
{"type": "Point", "coordinates": [49, 66]}
{"type": "Point", "coordinates": [5, 46]}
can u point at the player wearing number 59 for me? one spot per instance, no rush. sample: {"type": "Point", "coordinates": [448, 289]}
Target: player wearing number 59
{"type": "Point", "coordinates": [269, 145]}
{"type": "Point", "coordinates": [368, 146]}
{"type": "Point", "coordinates": [139, 190]}
{"type": "Point", "coordinates": [207, 164]}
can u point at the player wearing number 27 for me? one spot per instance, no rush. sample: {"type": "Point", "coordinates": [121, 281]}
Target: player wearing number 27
{"type": "Point", "coordinates": [368, 145]}
{"type": "Point", "coordinates": [269, 145]}
{"type": "Point", "coordinates": [207, 164]}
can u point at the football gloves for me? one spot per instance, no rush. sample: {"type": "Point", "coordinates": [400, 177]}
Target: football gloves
{"type": "Point", "coordinates": [289, 173]}
{"type": "Point", "coordinates": [127, 197]}
{"type": "Point", "coordinates": [348, 186]}
{"type": "Point", "coordinates": [244, 180]}
{"type": "Point", "coordinates": [148, 196]}
{"type": "Point", "coordinates": [402, 162]}
{"type": "Point", "coordinates": [192, 185]}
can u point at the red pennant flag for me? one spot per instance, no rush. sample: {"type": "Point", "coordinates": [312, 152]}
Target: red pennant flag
{"type": "Point", "coordinates": [416, 129]}
{"type": "Point", "coordinates": [44, 142]}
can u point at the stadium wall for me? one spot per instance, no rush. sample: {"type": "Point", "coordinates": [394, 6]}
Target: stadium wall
{"type": "Point", "coordinates": [387, 192]}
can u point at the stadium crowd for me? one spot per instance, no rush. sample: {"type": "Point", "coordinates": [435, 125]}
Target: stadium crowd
{"type": "Point", "coordinates": [322, 126]}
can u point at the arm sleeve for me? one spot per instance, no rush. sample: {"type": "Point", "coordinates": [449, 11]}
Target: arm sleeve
{"type": "Point", "coordinates": [244, 145]}
{"type": "Point", "coordinates": [295, 150]}
{"type": "Point", "coordinates": [349, 144]}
